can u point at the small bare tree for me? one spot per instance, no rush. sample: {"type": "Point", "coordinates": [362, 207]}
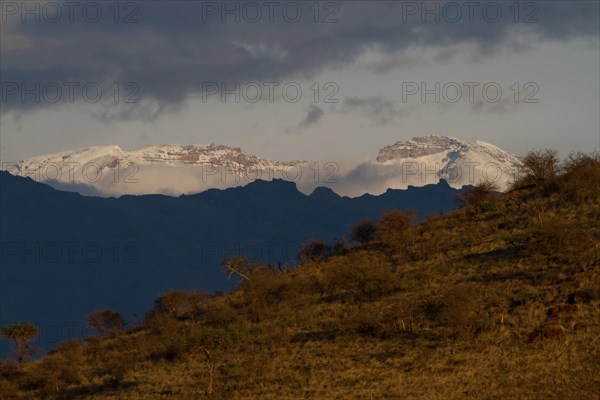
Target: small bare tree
{"type": "Point", "coordinates": [541, 165]}
{"type": "Point", "coordinates": [211, 370]}
{"type": "Point", "coordinates": [241, 266]}
{"type": "Point", "coordinates": [22, 333]}
{"type": "Point", "coordinates": [541, 168]}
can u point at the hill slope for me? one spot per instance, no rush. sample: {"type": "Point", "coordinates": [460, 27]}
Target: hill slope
{"type": "Point", "coordinates": [495, 301]}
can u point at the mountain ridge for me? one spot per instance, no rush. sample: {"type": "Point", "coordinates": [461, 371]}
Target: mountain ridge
{"type": "Point", "coordinates": [187, 169]}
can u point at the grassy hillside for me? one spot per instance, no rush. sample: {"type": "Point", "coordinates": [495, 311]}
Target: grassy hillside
{"type": "Point", "coordinates": [498, 300]}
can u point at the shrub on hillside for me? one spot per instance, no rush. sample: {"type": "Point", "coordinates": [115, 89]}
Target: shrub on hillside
{"type": "Point", "coordinates": [363, 278]}
{"type": "Point", "coordinates": [540, 168]}
{"type": "Point", "coordinates": [107, 322]}
{"type": "Point", "coordinates": [479, 197]}
{"type": "Point", "coordinates": [393, 225]}
{"type": "Point", "coordinates": [219, 314]}
{"type": "Point", "coordinates": [457, 309]}
{"type": "Point", "coordinates": [315, 250]}
{"type": "Point", "coordinates": [118, 367]}
{"type": "Point", "coordinates": [581, 177]}
{"type": "Point", "coordinates": [54, 374]}
{"type": "Point", "coordinates": [161, 324]}
{"type": "Point", "coordinates": [182, 304]}
{"type": "Point", "coordinates": [564, 242]}
{"type": "Point", "coordinates": [339, 246]}
{"type": "Point", "coordinates": [8, 390]}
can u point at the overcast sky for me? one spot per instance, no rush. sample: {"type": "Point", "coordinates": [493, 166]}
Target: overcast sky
{"type": "Point", "coordinates": [150, 72]}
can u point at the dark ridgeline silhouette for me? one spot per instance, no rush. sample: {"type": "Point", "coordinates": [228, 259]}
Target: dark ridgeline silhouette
{"type": "Point", "coordinates": [65, 255]}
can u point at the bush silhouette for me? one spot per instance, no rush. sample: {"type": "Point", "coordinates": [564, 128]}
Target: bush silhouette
{"type": "Point", "coordinates": [314, 250]}
{"type": "Point", "coordinates": [181, 304]}
{"type": "Point", "coordinates": [364, 232]}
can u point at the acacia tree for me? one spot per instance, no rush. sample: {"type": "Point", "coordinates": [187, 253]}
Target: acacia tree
{"type": "Point", "coordinates": [22, 333]}
{"type": "Point", "coordinates": [106, 322]}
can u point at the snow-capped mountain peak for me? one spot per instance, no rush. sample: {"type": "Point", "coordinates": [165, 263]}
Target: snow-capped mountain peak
{"type": "Point", "coordinates": [419, 147]}
{"type": "Point", "coordinates": [166, 154]}
{"type": "Point", "coordinates": [166, 169]}
{"type": "Point", "coordinates": [458, 162]}
{"type": "Point", "coordinates": [184, 169]}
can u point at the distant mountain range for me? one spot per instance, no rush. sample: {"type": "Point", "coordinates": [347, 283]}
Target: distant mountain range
{"type": "Point", "coordinates": [64, 255]}
{"type": "Point", "coordinates": [187, 169]}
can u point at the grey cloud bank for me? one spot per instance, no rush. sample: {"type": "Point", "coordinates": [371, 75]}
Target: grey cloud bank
{"type": "Point", "coordinates": [169, 49]}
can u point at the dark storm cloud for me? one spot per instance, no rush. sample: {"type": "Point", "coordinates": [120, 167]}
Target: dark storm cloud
{"type": "Point", "coordinates": [313, 115]}
{"type": "Point", "coordinates": [377, 109]}
{"type": "Point", "coordinates": [176, 48]}
{"type": "Point", "coordinates": [502, 106]}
